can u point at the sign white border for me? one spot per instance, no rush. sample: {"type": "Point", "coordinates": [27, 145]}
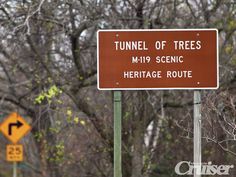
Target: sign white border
{"type": "Point", "coordinates": [163, 30]}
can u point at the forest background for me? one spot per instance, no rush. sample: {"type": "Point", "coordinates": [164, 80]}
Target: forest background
{"type": "Point", "coordinates": [48, 74]}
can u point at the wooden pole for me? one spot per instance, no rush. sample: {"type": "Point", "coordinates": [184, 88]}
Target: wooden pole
{"type": "Point", "coordinates": [117, 134]}
{"type": "Point", "coordinates": [197, 134]}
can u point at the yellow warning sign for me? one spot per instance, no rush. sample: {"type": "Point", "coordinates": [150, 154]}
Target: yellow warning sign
{"type": "Point", "coordinates": [14, 127]}
{"type": "Point", "coordinates": [14, 153]}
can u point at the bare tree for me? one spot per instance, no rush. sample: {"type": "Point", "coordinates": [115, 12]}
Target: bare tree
{"type": "Point", "coordinates": [48, 74]}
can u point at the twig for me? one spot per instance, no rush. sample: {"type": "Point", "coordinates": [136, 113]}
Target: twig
{"type": "Point", "coordinates": [27, 20]}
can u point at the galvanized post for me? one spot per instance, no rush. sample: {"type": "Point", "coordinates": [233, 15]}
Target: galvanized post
{"type": "Point", "coordinates": [14, 169]}
{"type": "Point", "coordinates": [117, 134]}
{"type": "Point", "coordinates": [197, 134]}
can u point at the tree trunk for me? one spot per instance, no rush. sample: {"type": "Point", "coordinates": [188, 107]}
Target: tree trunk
{"type": "Point", "coordinates": [137, 154]}
{"type": "Point", "coordinates": [138, 137]}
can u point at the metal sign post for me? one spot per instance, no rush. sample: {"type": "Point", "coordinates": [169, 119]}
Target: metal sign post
{"type": "Point", "coordinates": [197, 134]}
{"type": "Point", "coordinates": [14, 169]}
{"type": "Point", "coordinates": [117, 134]}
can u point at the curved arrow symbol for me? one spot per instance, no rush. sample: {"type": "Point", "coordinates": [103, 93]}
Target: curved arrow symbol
{"type": "Point", "coordinates": [18, 124]}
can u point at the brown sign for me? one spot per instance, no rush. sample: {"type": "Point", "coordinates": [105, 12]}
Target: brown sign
{"type": "Point", "coordinates": [157, 59]}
